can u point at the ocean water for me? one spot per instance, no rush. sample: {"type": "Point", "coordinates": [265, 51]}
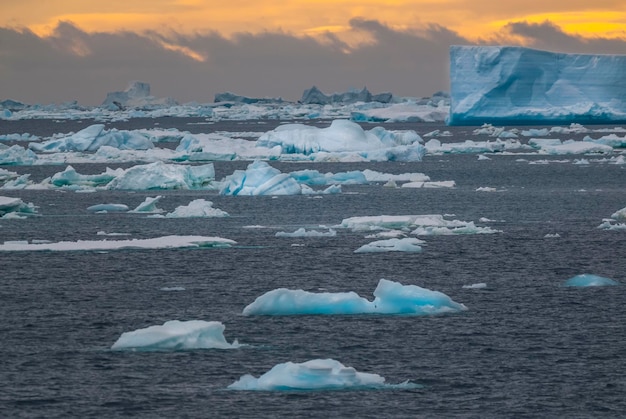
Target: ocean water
{"type": "Point", "coordinates": [526, 347]}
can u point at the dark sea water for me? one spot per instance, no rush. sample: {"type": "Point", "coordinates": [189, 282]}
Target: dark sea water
{"type": "Point", "coordinates": [526, 347]}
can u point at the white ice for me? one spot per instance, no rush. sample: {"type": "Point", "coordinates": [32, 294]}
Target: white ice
{"type": "Point", "coordinates": [176, 335]}
{"type": "Point", "coordinates": [407, 244]}
{"type": "Point", "coordinates": [430, 224]}
{"type": "Point", "coordinates": [302, 232]}
{"type": "Point", "coordinates": [390, 298]}
{"type": "Point", "coordinates": [316, 374]}
{"type": "Point", "coordinates": [195, 209]}
{"type": "Point", "coordinates": [165, 242]}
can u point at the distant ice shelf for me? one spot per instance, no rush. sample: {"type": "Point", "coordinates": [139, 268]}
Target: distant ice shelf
{"type": "Point", "coordinates": [513, 85]}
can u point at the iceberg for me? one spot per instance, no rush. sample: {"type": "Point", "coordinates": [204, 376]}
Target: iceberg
{"type": "Point", "coordinates": [589, 280]}
{"type": "Point", "coordinates": [259, 179]}
{"type": "Point", "coordinates": [430, 224]}
{"type": "Point", "coordinates": [512, 85]}
{"type": "Point", "coordinates": [341, 137]}
{"type": "Point", "coordinates": [136, 95]}
{"type": "Point", "coordinates": [302, 232]}
{"type": "Point", "coordinates": [195, 209]}
{"type": "Point", "coordinates": [148, 206]}
{"type": "Point", "coordinates": [108, 208]}
{"type": "Point", "coordinates": [407, 244]}
{"type": "Point", "coordinates": [176, 335]}
{"type": "Point", "coordinates": [165, 242]}
{"type": "Point", "coordinates": [15, 208]}
{"type": "Point", "coordinates": [159, 175]}
{"type": "Point", "coordinates": [92, 138]}
{"type": "Point", "coordinates": [390, 298]}
{"type": "Point", "coordinates": [316, 374]}
{"type": "Point", "coordinates": [315, 96]}
{"type": "Point", "coordinates": [17, 155]}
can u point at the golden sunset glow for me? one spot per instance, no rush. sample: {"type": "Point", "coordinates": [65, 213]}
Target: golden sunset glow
{"type": "Point", "coordinates": [470, 19]}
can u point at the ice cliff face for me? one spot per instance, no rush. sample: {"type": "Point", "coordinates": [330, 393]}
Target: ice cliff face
{"type": "Point", "coordinates": [499, 84]}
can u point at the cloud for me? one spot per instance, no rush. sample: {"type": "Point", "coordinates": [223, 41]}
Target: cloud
{"type": "Point", "coordinates": [71, 64]}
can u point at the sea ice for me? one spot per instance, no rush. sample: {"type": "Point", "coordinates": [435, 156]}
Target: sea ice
{"type": "Point", "coordinates": [431, 224]}
{"type": "Point", "coordinates": [92, 138]}
{"type": "Point", "coordinates": [589, 280]}
{"type": "Point", "coordinates": [165, 242]}
{"type": "Point", "coordinates": [259, 178]}
{"type": "Point", "coordinates": [407, 244]}
{"type": "Point", "coordinates": [176, 335]}
{"type": "Point", "coordinates": [344, 136]}
{"type": "Point", "coordinates": [108, 208]}
{"type": "Point", "coordinates": [197, 208]}
{"type": "Point", "coordinates": [148, 206]}
{"type": "Point", "coordinates": [15, 208]}
{"type": "Point", "coordinates": [390, 298]}
{"type": "Point", "coordinates": [302, 232]}
{"type": "Point", "coordinates": [316, 374]}
{"type": "Point", "coordinates": [515, 84]}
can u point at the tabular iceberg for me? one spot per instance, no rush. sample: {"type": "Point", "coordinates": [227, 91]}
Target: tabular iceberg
{"type": "Point", "coordinates": [316, 374]}
{"type": "Point", "coordinates": [520, 85]}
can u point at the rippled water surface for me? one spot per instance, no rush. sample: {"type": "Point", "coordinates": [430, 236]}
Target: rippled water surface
{"type": "Point", "coordinates": [527, 347]}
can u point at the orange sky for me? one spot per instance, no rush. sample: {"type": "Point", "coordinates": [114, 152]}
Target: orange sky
{"type": "Point", "coordinates": [470, 18]}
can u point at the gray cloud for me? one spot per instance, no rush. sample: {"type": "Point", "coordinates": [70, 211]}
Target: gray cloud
{"type": "Point", "coordinates": [74, 65]}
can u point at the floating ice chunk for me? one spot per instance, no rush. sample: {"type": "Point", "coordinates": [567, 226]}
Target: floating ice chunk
{"type": "Point", "coordinates": [552, 236]}
{"type": "Point", "coordinates": [159, 175]}
{"type": "Point", "coordinates": [435, 146]}
{"type": "Point", "coordinates": [17, 155]}
{"type": "Point", "coordinates": [403, 112]}
{"type": "Point", "coordinates": [431, 224]}
{"type": "Point", "coordinates": [485, 189]}
{"type": "Point", "coordinates": [620, 214]}
{"type": "Point", "coordinates": [589, 280]}
{"type": "Point", "coordinates": [407, 244]}
{"type": "Point", "coordinates": [197, 208]}
{"type": "Point", "coordinates": [390, 298]}
{"type": "Point", "coordinates": [15, 208]}
{"type": "Point", "coordinates": [316, 374]}
{"type": "Point", "coordinates": [70, 177]}
{"type": "Point", "coordinates": [165, 242]}
{"type": "Point", "coordinates": [609, 224]}
{"type": "Point", "coordinates": [302, 232]}
{"type": "Point", "coordinates": [108, 208]}
{"type": "Point", "coordinates": [149, 206]}
{"type": "Point", "coordinates": [92, 138]}
{"type": "Point", "coordinates": [374, 176]}
{"type": "Point", "coordinates": [172, 289]}
{"type": "Point", "coordinates": [344, 136]}
{"type": "Point", "coordinates": [430, 185]}
{"type": "Point", "coordinates": [104, 233]}
{"type": "Point", "coordinates": [468, 228]}
{"type": "Point", "coordinates": [176, 335]}
{"type": "Point", "coordinates": [259, 179]}
{"type": "Point", "coordinates": [575, 147]}
{"type": "Point", "coordinates": [479, 285]}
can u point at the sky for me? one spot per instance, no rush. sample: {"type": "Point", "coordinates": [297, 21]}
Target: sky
{"type": "Point", "coordinates": [56, 51]}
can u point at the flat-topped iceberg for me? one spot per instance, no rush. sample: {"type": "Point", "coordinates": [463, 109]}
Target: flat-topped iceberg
{"type": "Point", "coordinates": [390, 298]}
{"type": "Point", "coordinates": [589, 280]}
{"type": "Point", "coordinates": [511, 85]}
{"type": "Point", "coordinates": [316, 374]}
{"type": "Point", "coordinates": [422, 225]}
{"type": "Point", "coordinates": [406, 244]}
{"type": "Point", "coordinates": [165, 242]}
{"type": "Point", "coordinates": [176, 335]}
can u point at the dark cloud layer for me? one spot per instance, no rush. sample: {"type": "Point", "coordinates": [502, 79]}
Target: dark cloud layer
{"type": "Point", "coordinates": [74, 65]}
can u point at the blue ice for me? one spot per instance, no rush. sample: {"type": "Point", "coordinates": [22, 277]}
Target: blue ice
{"type": "Point", "coordinates": [589, 280]}
{"type": "Point", "coordinates": [316, 374]}
{"type": "Point", "coordinates": [512, 84]}
{"type": "Point", "coordinates": [390, 298]}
